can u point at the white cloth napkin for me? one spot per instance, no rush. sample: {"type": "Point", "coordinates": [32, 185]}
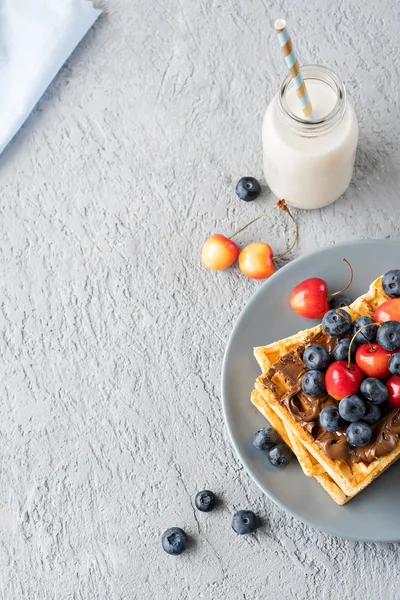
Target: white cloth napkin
{"type": "Point", "coordinates": [36, 38]}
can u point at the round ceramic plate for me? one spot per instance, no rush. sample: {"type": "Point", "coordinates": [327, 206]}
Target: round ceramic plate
{"type": "Point", "coordinates": [374, 514]}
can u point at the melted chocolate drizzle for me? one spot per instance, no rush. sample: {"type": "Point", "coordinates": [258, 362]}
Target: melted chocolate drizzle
{"type": "Point", "coordinates": [306, 409]}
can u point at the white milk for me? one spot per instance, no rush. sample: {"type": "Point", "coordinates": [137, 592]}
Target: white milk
{"type": "Point", "coordinates": [310, 164]}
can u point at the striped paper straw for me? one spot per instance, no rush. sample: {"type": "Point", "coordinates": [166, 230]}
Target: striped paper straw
{"type": "Point", "coordinates": [294, 68]}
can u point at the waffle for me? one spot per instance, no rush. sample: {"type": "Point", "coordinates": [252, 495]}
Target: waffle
{"type": "Point", "coordinates": [340, 479]}
{"type": "Point", "coordinates": [308, 463]}
{"type": "Point", "coordinates": [267, 355]}
{"type": "Point", "coordinates": [365, 305]}
{"type": "Point", "coordinates": [299, 450]}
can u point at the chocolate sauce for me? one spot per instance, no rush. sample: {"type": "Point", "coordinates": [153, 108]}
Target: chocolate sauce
{"type": "Point", "coordinates": [306, 409]}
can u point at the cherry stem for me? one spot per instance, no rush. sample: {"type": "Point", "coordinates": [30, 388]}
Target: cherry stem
{"type": "Point", "coordinates": [253, 221]}
{"type": "Point", "coordinates": [282, 205]}
{"type": "Point", "coordinates": [354, 336]}
{"type": "Point", "coordinates": [371, 348]}
{"type": "Point", "coordinates": [350, 282]}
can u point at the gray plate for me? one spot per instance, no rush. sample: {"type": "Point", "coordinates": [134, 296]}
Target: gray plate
{"type": "Point", "coordinates": [374, 515]}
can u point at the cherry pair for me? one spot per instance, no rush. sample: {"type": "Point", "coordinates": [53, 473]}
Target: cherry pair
{"type": "Point", "coordinates": [256, 260]}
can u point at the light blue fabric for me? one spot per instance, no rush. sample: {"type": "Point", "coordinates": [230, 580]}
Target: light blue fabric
{"type": "Point", "coordinates": [36, 38]}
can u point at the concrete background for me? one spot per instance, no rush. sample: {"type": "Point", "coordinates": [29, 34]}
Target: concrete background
{"type": "Point", "coordinates": [112, 335]}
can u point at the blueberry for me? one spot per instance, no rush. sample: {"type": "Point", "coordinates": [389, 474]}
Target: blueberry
{"type": "Point", "coordinates": [336, 323]}
{"type": "Point", "coordinates": [341, 350]}
{"type": "Point", "coordinates": [394, 363]}
{"type": "Point", "coordinates": [366, 335]}
{"type": "Point", "coordinates": [248, 189]}
{"type": "Point", "coordinates": [244, 521]}
{"type": "Point", "coordinates": [374, 390]}
{"type": "Point", "coordinates": [391, 283]}
{"type": "Point", "coordinates": [388, 335]}
{"type": "Point", "coordinates": [340, 301]}
{"type": "Point", "coordinates": [279, 455]}
{"type": "Point", "coordinates": [313, 382]}
{"type": "Point", "coordinates": [372, 413]}
{"type": "Point", "coordinates": [174, 540]}
{"type": "Point", "coordinates": [205, 500]}
{"type": "Point", "coordinates": [330, 419]}
{"type": "Point", "coordinates": [264, 438]}
{"type": "Point", "coordinates": [316, 357]}
{"type": "Point", "coordinates": [359, 434]}
{"type": "Point", "coordinates": [352, 408]}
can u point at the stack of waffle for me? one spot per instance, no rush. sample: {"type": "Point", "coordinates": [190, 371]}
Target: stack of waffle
{"type": "Point", "coordinates": [278, 396]}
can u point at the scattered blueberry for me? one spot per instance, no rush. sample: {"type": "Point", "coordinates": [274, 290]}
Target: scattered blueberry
{"type": "Point", "coordinates": [369, 332]}
{"type": "Point", "coordinates": [391, 283]}
{"type": "Point", "coordinates": [336, 323]}
{"type": "Point", "coordinates": [372, 413]}
{"type": "Point", "coordinates": [316, 357]}
{"type": "Point", "coordinates": [244, 521]}
{"type": "Point", "coordinates": [388, 335]}
{"type": "Point", "coordinates": [174, 540]}
{"type": "Point", "coordinates": [205, 500]}
{"type": "Point", "coordinates": [340, 301]}
{"type": "Point", "coordinates": [280, 455]}
{"type": "Point", "coordinates": [394, 363]}
{"type": "Point", "coordinates": [313, 382]}
{"type": "Point", "coordinates": [374, 390]}
{"type": "Point", "coordinates": [341, 350]}
{"type": "Point", "coordinates": [248, 189]}
{"type": "Point", "coordinates": [359, 434]}
{"type": "Point", "coordinates": [264, 438]}
{"type": "Point", "coordinates": [352, 408]}
{"type": "Point", "coordinates": [330, 419]}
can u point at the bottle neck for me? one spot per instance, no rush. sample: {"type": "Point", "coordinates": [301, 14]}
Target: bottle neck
{"type": "Point", "coordinates": [302, 126]}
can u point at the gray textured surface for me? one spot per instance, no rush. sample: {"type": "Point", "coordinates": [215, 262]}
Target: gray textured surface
{"type": "Point", "coordinates": [112, 335]}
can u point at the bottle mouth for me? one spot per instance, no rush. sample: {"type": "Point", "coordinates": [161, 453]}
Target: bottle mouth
{"type": "Point", "coordinates": [304, 126]}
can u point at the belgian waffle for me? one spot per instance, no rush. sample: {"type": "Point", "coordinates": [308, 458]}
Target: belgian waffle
{"type": "Point", "coordinates": [302, 454]}
{"type": "Point", "coordinates": [278, 394]}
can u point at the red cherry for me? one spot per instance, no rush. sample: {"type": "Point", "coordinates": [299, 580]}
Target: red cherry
{"type": "Point", "coordinates": [309, 298]}
{"type": "Point", "coordinates": [393, 387]}
{"type": "Point", "coordinates": [373, 360]}
{"type": "Point", "coordinates": [388, 311]}
{"type": "Point", "coordinates": [341, 381]}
